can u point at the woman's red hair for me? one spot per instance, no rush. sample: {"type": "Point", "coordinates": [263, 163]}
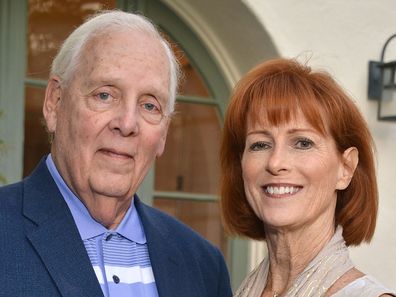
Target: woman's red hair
{"type": "Point", "coordinates": [277, 90]}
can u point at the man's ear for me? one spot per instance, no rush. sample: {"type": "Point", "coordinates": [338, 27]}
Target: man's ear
{"type": "Point", "coordinates": [51, 102]}
{"type": "Point", "coordinates": [349, 162]}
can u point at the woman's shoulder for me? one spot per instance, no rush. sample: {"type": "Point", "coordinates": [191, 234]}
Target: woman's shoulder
{"type": "Point", "coordinates": [364, 286]}
{"type": "Point", "coordinates": [253, 284]}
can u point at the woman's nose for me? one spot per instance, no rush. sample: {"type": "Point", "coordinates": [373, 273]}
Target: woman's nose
{"type": "Point", "coordinates": [278, 160]}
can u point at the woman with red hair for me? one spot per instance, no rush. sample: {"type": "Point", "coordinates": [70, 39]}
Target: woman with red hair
{"type": "Point", "coordinates": [298, 172]}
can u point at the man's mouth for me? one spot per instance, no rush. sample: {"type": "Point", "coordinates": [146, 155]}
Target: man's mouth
{"type": "Point", "coordinates": [116, 153]}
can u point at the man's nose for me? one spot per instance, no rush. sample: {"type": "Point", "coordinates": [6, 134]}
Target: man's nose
{"type": "Point", "coordinates": [125, 120]}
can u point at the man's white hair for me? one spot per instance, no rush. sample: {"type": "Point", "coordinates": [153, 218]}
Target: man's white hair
{"type": "Point", "coordinates": [67, 59]}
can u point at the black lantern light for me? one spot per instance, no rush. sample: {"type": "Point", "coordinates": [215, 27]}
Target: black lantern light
{"type": "Point", "coordinates": [382, 85]}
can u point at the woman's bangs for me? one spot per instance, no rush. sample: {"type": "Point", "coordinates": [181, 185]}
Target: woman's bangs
{"type": "Point", "coordinates": [278, 101]}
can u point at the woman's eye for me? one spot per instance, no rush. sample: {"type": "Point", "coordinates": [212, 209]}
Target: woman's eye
{"type": "Point", "coordinates": [304, 143]}
{"type": "Point", "coordinates": [258, 146]}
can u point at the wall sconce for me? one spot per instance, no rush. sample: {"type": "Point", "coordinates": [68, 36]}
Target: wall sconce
{"type": "Point", "coordinates": [382, 85]}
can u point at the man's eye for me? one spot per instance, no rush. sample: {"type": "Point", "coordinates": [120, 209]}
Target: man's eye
{"type": "Point", "coordinates": [150, 107]}
{"type": "Point", "coordinates": [103, 96]}
{"type": "Point", "coordinates": [258, 146]}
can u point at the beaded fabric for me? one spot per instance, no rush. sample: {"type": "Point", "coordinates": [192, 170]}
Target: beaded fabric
{"type": "Point", "coordinates": [319, 275]}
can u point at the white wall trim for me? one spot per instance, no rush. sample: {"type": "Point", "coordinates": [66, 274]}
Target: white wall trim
{"type": "Point", "coordinates": [209, 38]}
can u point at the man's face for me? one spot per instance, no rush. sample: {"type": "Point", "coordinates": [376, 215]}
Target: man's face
{"type": "Point", "coordinates": [107, 121]}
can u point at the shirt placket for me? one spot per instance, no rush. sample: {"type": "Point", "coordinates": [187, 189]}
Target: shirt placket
{"type": "Point", "coordinates": [111, 278]}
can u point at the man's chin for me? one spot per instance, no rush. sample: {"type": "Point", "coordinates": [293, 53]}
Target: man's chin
{"type": "Point", "coordinates": [113, 187]}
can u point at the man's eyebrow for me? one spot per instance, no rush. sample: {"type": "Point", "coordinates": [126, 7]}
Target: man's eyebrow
{"type": "Point", "coordinates": [102, 81]}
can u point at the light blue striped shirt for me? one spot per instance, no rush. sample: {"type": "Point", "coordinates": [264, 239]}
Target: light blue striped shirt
{"type": "Point", "coordinates": [119, 257]}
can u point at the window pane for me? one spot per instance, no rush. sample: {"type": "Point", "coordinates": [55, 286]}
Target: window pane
{"type": "Point", "coordinates": [192, 83]}
{"type": "Point", "coordinates": [49, 24]}
{"type": "Point", "coordinates": [203, 217]}
{"type": "Point", "coordinates": [190, 162]}
{"type": "Point", "coordinates": [36, 138]}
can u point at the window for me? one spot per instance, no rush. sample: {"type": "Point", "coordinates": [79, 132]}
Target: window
{"type": "Point", "coordinates": [184, 181]}
{"type": "Point", "coordinates": [187, 175]}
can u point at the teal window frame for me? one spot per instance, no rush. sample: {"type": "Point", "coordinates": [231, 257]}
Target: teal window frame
{"type": "Point", "coordinates": [13, 23]}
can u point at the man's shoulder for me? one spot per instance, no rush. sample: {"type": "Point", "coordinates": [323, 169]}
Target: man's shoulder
{"type": "Point", "coordinates": [11, 213]}
{"type": "Point", "coordinates": [175, 230]}
{"type": "Point", "coordinates": [164, 221]}
{"type": "Point", "coordinates": [9, 194]}
{"type": "Point", "coordinates": [37, 184]}
{"type": "Point", "coordinates": [198, 259]}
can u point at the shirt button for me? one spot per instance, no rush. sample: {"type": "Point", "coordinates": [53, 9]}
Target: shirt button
{"type": "Point", "coordinates": [116, 279]}
{"type": "Point", "coordinates": [108, 237]}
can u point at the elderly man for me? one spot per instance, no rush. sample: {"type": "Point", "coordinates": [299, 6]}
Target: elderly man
{"type": "Point", "coordinates": [75, 227]}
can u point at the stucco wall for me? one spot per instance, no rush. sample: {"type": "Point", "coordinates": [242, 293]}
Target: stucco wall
{"type": "Point", "coordinates": [341, 37]}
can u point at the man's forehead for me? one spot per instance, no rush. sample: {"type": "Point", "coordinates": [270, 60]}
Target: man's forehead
{"type": "Point", "coordinates": [122, 40]}
{"type": "Point", "coordinates": [112, 51]}
{"type": "Point", "coordinates": [116, 47]}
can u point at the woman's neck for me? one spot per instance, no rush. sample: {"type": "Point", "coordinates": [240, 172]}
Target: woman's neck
{"type": "Point", "coordinates": [290, 251]}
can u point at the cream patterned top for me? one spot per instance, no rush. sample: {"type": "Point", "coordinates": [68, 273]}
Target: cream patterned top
{"type": "Point", "coordinates": [319, 275]}
{"type": "Point", "coordinates": [366, 286]}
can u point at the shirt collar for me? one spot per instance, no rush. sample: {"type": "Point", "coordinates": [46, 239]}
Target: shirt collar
{"type": "Point", "coordinates": [130, 226]}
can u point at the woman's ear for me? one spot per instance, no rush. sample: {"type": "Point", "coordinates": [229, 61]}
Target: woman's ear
{"type": "Point", "coordinates": [51, 100]}
{"type": "Point", "coordinates": [349, 162]}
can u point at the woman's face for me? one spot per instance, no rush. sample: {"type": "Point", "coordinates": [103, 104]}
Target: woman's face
{"type": "Point", "coordinates": [291, 174]}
